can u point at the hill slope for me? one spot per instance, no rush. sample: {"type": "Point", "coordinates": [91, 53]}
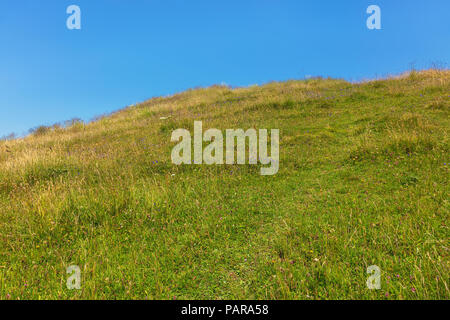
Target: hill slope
{"type": "Point", "coordinates": [363, 180]}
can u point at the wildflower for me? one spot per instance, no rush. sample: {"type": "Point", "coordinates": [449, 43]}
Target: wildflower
{"type": "Point", "coordinates": [413, 289]}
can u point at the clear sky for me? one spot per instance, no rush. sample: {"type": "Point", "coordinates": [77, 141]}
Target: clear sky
{"type": "Point", "coordinates": [129, 51]}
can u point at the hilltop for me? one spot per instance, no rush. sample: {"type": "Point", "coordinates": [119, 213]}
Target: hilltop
{"type": "Point", "coordinates": [362, 180]}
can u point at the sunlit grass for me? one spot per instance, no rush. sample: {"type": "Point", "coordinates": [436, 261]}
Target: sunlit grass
{"type": "Point", "coordinates": [363, 181]}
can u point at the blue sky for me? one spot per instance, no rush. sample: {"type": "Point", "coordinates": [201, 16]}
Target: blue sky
{"type": "Point", "coordinates": [129, 51]}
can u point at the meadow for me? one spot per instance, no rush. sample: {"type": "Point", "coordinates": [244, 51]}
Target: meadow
{"type": "Point", "coordinates": [362, 180]}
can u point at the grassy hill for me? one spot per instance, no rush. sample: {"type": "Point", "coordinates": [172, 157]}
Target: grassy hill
{"type": "Point", "coordinates": [363, 180]}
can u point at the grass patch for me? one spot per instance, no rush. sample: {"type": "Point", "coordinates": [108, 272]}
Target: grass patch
{"type": "Point", "coordinates": [363, 181]}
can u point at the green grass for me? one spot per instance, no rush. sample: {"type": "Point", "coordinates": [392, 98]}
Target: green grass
{"type": "Point", "coordinates": [363, 180]}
